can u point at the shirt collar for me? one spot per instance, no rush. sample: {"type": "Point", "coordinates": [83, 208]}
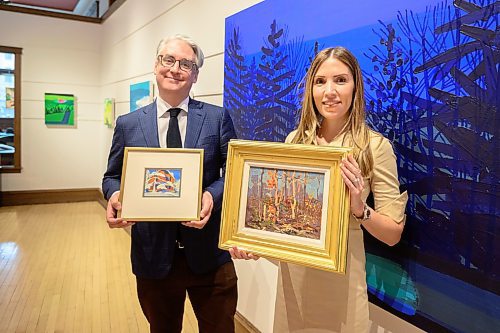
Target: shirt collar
{"type": "Point", "coordinates": [162, 106]}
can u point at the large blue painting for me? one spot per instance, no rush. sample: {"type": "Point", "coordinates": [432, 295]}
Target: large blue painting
{"type": "Point", "coordinates": [431, 72]}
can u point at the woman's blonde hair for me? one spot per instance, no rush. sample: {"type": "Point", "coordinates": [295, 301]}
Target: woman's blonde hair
{"type": "Point", "coordinates": [357, 133]}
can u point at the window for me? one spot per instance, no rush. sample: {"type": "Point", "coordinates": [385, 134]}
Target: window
{"type": "Point", "coordinates": [10, 109]}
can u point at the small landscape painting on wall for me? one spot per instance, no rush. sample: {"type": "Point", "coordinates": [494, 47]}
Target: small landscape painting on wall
{"type": "Point", "coordinates": [141, 94]}
{"type": "Point", "coordinates": [59, 109]}
{"type": "Point", "coordinates": [109, 112]}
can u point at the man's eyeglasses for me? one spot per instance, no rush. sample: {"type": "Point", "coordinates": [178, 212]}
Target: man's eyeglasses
{"type": "Point", "coordinates": [169, 61]}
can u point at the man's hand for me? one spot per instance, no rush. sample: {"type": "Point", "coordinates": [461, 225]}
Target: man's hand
{"type": "Point", "coordinates": [114, 206]}
{"type": "Point", "coordinates": [207, 204]}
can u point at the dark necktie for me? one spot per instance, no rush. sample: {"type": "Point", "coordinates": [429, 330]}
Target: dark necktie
{"type": "Point", "coordinates": [173, 133]}
{"type": "Point", "coordinates": [174, 141]}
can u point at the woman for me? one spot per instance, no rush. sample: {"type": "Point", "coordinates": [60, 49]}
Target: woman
{"type": "Point", "coordinates": [333, 113]}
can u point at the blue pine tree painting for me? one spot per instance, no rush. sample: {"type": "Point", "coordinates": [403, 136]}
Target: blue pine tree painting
{"type": "Point", "coordinates": [431, 71]}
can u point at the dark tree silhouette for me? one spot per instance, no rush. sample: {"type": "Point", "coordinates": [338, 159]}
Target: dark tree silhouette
{"type": "Point", "coordinates": [274, 101]}
{"type": "Point", "coordinates": [237, 95]}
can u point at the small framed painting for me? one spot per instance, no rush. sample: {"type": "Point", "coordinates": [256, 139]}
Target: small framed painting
{"type": "Point", "coordinates": [60, 110]}
{"type": "Point", "coordinates": [109, 112]}
{"type": "Point", "coordinates": [161, 184]}
{"type": "Point", "coordinates": [141, 94]}
{"type": "Point", "coordinates": [287, 202]}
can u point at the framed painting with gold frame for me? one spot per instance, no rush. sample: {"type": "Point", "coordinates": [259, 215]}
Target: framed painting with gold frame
{"type": "Point", "coordinates": [161, 184]}
{"type": "Point", "coordinates": [287, 202]}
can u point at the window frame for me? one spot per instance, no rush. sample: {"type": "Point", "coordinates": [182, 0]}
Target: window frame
{"type": "Point", "coordinates": [16, 168]}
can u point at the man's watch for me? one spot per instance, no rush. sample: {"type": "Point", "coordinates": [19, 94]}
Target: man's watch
{"type": "Point", "coordinates": [367, 213]}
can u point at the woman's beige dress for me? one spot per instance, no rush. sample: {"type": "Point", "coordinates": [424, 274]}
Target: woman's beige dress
{"type": "Point", "coordinates": [315, 301]}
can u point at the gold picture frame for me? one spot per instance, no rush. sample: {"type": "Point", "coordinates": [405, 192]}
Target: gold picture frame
{"type": "Point", "coordinates": [287, 202]}
{"type": "Point", "coordinates": [161, 184]}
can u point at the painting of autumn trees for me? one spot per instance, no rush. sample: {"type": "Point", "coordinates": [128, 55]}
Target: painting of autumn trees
{"type": "Point", "coordinates": [285, 201]}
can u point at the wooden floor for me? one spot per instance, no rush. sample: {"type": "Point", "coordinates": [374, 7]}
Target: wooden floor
{"type": "Point", "coordinates": [63, 270]}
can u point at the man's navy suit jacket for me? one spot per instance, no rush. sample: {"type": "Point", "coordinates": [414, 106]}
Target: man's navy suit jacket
{"type": "Point", "coordinates": [153, 243]}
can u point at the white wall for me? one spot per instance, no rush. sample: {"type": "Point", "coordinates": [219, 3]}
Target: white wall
{"type": "Point", "coordinates": [94, 62]}
{"type": "Point", "coordinates": [59, 56]}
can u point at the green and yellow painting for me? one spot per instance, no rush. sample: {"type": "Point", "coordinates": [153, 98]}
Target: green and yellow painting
{"type": "Point", "coordinates": [109, 112]}
{"type": "Point", "coordinates": [59, 109]}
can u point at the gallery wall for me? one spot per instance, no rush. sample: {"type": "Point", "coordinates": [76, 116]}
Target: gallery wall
{"type": "Point", "coordinates": [94, 62]}
{"type": "Point", "coordinates": [59, 56]}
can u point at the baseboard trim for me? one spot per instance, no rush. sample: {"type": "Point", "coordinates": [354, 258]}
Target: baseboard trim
{"type": "Point", "coordinates": [17, 198]}
{"type": "Point", "coordinates": [242, 324]}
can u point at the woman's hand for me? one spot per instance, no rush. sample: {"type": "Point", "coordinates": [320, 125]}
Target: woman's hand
{"type": "Point", "coordinates": [351, 174]}
{"type": "Point", "coordinates": [239, 253]}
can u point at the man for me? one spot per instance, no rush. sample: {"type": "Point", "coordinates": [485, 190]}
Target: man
{"type": "Point", "coordinates": [169, 258]}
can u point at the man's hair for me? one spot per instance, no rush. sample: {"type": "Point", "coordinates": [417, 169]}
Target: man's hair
{"type": "Point", "coordinates": [196, 48]}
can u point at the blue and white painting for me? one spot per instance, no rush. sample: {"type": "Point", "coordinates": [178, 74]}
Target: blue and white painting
{"type": "Point", "coordinates": [431, 71]}
{"type": "Point", "coordinates": [141, 94]}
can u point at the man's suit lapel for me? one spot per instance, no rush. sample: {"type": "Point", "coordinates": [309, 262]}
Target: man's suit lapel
{"type": "Point", "coordinates": [196, 117]}
{"type": "Point", "coordinates": [148, 122]}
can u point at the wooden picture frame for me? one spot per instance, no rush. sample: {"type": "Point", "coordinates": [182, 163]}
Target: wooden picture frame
{"type": "Point", "coordinates": [287, 202]}
{"type": "Point", "coordinates": [161, 184]}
